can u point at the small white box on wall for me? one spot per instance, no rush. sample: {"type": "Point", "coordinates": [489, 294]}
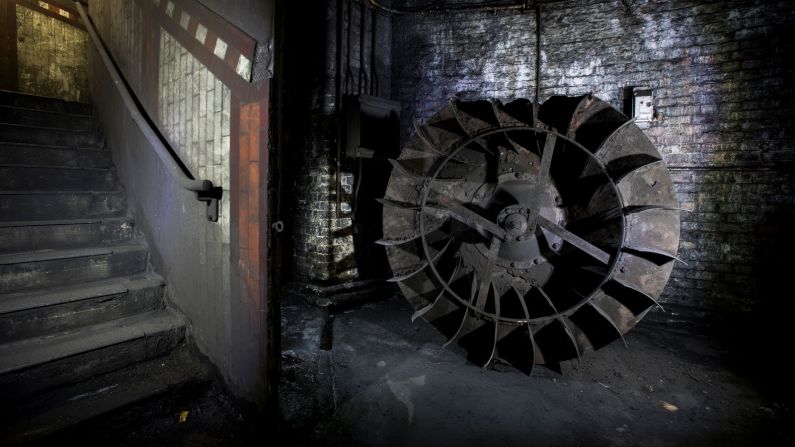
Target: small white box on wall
{"type": "Point", "coordinates": [642, 104]}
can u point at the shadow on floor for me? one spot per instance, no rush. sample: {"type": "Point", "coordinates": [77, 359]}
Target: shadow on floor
{"type": "Point", "coordinates": [385, 381]}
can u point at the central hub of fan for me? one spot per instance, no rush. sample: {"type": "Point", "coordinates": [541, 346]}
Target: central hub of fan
{"type": "Point", "coordinates": [516, 225]}
{"type": "Point", "coordinates": [518, 222]}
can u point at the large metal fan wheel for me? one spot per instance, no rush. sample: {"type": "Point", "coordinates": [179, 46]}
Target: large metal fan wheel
{"type": "Point", "coordinates": [530, 234]}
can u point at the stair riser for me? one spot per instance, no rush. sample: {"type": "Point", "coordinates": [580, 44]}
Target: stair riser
{"type": "Point", "coordinates": [41, 156]}
{"type": "Point", "coordinates": [39, 237]}
{"type": "Point", "coordinates": [29, 117]}
{"type": "Point", "coordinates": [24, 383]}
{"type": "Point", "coordinates": [36, 322]}
{"type": "Point", "coordinates": [31, 275]}
{"type": "Point", "coordinates": [53, 137]}
{"type": "Point", "coordinates": [48, 179]}
{"type": "Point", "coordinates": [47, 104]}
{"type": "Point", "coordinates": [16, 207]}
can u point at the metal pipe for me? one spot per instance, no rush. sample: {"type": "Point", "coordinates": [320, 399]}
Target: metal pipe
{"type": "Point", "coordinates": [538, 50]}
{"type": "Point", "coordinates": [339, 55]}
{"type": "Point", "coordinates": [205, 190]}
{"type": "Point", "coordinates": [338, 158]}
{"type": "Point", "coordinates": [485, 6]}
{"type": "Point", "coordinates": [348, 71]}
{"type": "Point", "coordinates": [374, 84]}
{"type": "Point", "coordinates": [362, 41]}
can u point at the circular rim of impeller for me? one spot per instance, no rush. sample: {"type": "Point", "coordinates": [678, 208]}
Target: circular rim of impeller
{"type": "Point", "coordinates": [473, 195]}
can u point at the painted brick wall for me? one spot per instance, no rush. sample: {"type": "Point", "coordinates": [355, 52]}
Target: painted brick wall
{"type": "Point", "coordinates": [119, 24]}
{"type": "Point", "coordinates": [722, 78]}
{"type": "Point", "coordinates": [194, 110]}
{"type": "Point", "coordinates": [194, 73]}
{"type": "Point", "coordinates": [323, 242]}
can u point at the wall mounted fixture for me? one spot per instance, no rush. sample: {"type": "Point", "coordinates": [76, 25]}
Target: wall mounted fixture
{"type": "Point", "coordinates": [642, 104]}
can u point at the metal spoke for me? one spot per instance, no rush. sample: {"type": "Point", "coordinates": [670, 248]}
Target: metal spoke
{"type": "Point", "coordinates": [468, 217]}
{"type": "Point", "coordinates": [587, 247]}
{"type": "Point", "coordinates": [546, 158]}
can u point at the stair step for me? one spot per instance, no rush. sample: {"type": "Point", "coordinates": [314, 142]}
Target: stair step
{"type": "Point", "coordinates": [32, 365]}
{"type": "Point", "coordinates": [17, 133]}
{"type": "Point", "coordinates": [38, 312]}
{"type": "Point", "coordinates": [22, 100]}
{"type": "Point", "coordinates": [102, 397]}
{"type": "Point", "coordinates": [60, 234]}
{"type": "Point", "coordinates": [52, 268]}
{"type": "Point", "coordinates": [22, 178]}
{"type": "Point", "coordinates": [54, 156]}
{"type": "Point", "coordinates": [33, 117]}
{"type": "Point", "coordinates": [43, 205]}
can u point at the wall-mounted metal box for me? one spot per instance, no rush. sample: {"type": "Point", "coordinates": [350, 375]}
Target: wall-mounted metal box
{"type": "Point", "coordinates": [372, 127]}
{"type": "Point", "coordinates": [642, 104]}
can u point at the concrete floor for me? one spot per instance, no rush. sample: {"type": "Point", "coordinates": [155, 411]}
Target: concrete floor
{"type": "Point", "coordinates": [368, 376]}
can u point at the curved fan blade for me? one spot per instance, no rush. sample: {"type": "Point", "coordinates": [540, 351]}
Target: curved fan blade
{"type": "Point", "coordinates": [598, 328]}
{"type": "Point", "coordinates": [517, 113]}
{"type": "Point", "coordinates": [632, 297]}
{"type": "Point", "coordinates": [518, 346]}
{"type": "Point", "coordinates": [648, 185]}
{"type": "Point", "coordinates": [626, 149]}
{"type": "Point", "coordinates": [414, 269]}
{"type": "Point", "coordinates": [654, 230]}
{"type": "Point", "coordinates": [622, 317]}
{"type": "Point", "coordinates": [425, 310]}
{"type": "Point", "coordinates": [642, 273]}
{"type": "Point", "coordinates": [474, 116]}
{"type": "Point", "coordinates": [593, 121]}
{"type": "Point", "coordinates": [431, 225]}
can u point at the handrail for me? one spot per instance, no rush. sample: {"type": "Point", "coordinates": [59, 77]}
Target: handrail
{"type": "Point", "coordinates": [204, 189]}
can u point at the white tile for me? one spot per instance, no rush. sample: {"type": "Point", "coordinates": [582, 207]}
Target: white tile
{"type": "Point", "coordinates": [220, 48]}
{"type": "Point", "coordinates": [244, 67]}
{"type": "Point", "coordinates": [201, 33]}
{"type": "Point", "coordinates": [184, 20]}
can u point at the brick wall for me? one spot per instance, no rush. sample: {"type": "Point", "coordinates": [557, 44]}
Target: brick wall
{"type": "Point", "coordinates": [323, 242]}
{"type": "Point", "coordinates": [721, 76]}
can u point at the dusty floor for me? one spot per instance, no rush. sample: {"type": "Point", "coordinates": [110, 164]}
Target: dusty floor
{"type": "Point", "coordinates": [200, 417]}
{"type": "Point", "coordinates": [368, 376]}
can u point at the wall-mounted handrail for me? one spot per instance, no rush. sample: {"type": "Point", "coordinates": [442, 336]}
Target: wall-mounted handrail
{"type": "Point", "coordinates": [204, 189]}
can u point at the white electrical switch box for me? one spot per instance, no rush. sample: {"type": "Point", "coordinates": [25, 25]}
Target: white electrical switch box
{"type": "Point", "coordinates": [642, 104]}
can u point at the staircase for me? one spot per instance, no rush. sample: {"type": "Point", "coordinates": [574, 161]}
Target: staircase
{"type": "Point", "coordinates": [84, 330]}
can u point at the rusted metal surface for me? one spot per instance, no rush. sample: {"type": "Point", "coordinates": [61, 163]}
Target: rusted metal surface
{"type": "Point", "coordinates": [525, 243]}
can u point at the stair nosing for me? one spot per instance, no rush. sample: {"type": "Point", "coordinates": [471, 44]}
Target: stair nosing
{"type": "Point", "coordinates": [53, 296]}
{"type": "Point", "coordinates": [57, 129]}
{"type": "Point", "coordinates": [46, 98]}
{"type": "Point", "coordinates": [69, 253]}
{"type": "Point", "coordinates": [23, 192]}
{"type": "Point", "coordinates": [28, 109]}
{"type": "Point", "coordinates": [46, 349]}
{"type": "Point", "coordinates": [69, 168]}
{"type": "Point", "coordinates": [99, 148]}
{"type": "Point", "coordinates": [56, 222]}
